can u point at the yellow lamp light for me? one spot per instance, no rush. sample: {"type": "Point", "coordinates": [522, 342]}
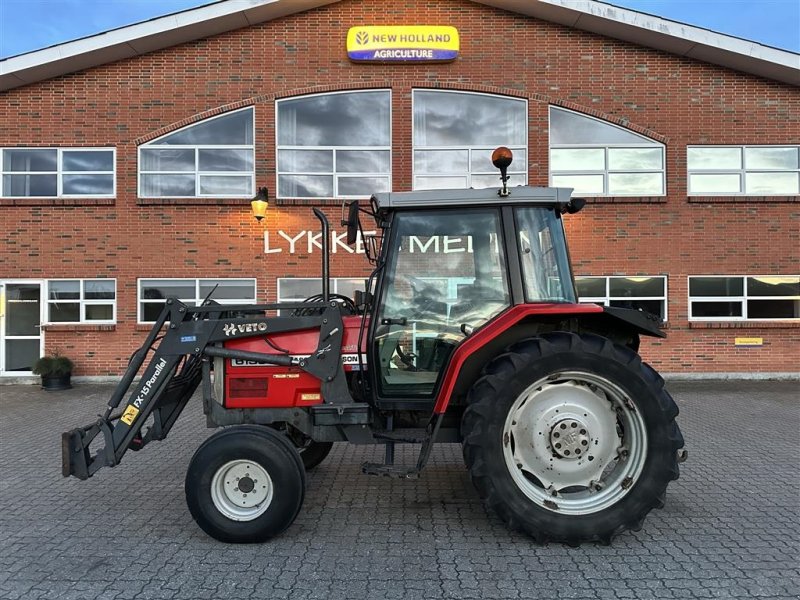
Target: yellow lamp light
{"type": "Point", "coordinates": [260, 203]}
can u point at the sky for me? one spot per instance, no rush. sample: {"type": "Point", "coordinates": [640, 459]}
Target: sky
{"type": "Point", "coordinates": [27, 25]}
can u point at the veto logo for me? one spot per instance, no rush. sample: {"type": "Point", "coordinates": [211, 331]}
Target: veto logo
{"type": "Point", "coordinates": [233, 328]}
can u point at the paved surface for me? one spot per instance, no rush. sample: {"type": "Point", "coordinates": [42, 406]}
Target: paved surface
{"type": "Point", "coordinates": [731, 527]}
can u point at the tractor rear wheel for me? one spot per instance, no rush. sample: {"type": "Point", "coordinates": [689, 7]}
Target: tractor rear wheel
{"type": "Point", "coordinates": [245, 484]}
{"type": "Point", "coordinates": [571, 438]}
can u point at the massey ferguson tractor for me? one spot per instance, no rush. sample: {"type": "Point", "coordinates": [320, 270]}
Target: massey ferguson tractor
{"type": "Point", "coordinates": [467, 331]}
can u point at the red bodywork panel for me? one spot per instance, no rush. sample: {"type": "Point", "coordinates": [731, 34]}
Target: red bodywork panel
{"type": "Point", "coordinates": [252, 385]}
{"type": "Point", "coordinates": [494, 328]}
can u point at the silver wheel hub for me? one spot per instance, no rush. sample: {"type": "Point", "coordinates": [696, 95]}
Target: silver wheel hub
{"type": "Point", "coordinates": [574, 443]}
{"type": "Point", "coordinates": [241, 490]}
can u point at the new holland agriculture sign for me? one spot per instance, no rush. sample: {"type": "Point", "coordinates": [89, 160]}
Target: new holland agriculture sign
{"type": "Point", "coordinates": [405, 43]}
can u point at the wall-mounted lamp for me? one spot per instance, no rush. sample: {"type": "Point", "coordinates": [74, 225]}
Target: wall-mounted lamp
{"type": "Point", "coordinates": [260, 203]}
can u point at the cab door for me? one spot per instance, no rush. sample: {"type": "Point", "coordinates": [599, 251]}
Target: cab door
{"type": "Point", "coordinates": [445, 276]}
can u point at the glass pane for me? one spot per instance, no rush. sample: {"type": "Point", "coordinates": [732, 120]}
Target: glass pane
{"type": "Point", "coordinates": [773, 309]}
{"type": "Point", "coordinates": [440, 161]}
{"type": "Point", "coordinates": [153, 289]}
{"type": "Point", "coordinates": [362, 186]}
{"type": "Point", "coordinates": [362, 161]}
{"type": "Point", "coordinates": [151, 310]}
{"type": "Point", "coordinates": [636, 159]}
{"type": "Point", "coordinates": [716, 286]}
{"type": "Point", "coordinates": [99, 289]}
{"type": "Point", "coordinates": [314, 186]}
{"type": "Point", "coordinates": [154, 186]}
{"type": "Point", "coordinates": [773, 286]}
{"type": "Point", "coordinates": [771, 158]}
{"type": "Point", "coordinates": [654, 307]}
{"type": "Point", "coordinates": [305, 161]}
{"type": "Point", "coordinates": [21, 354]}
{"type": "Point", "coordinates": [567, 127]}
{"type": "Point", "coordinates": [487, 181]}
{"type": "Point", "coordinates": [591, 287]}
{"type": "Point", "coordinates": [22, 309]}
{"type": "Point", "coordinates": [30, 185]}
{"type": "Point", "coordinates": [641, 184]}
{"type": "Point", "coordinates": [772, 183]}
{"type": "Point", "coordinates": [349, 119]}
{"type": "Point", "coordinates": [88, 185]}
{"type": "Point", "coordinates": [228, 159]}
{"type": "Point", "coordinates": [228, 289]}
{"type": "Point", "coordinates": [583, 184]}
{"type": "Point", "coordinates": [234, 129]}
{"type": "Point", "coordinates": [713, 158]}
{"type": "Point", "coordinates": [440, 183]}
{"type": "Point", "coordinates": [171, 159]}
{"type": "Point", "coordinates": [87, 160]}
{"type": "Point", "coordinates": [714, 184]}
{"type": "Point", "coordinates": [299, 288]}
{"type": "Point", "coordinates": [569, 159]}
{"type": "Point", "coordinates": [716, 309]}
{"type": "Point", "coordinates": [30, 160]}
{"type": "Point", "coordinates": [636, 286]}
{"type": "Point", "coordinates": [64, 312]}
{"type": "Point", "coordinates": [347, 287]}
{"type": "Point", "coordinates": [99, 312]}
{"type": "Point", "coordinates": [225, 185]}
{"type": "Point", "coordinates": [543, 252]}
{"type": "Point", "coordinates": [64, 290]}
{"type": "Point", "coordinates": [460, 119]}
{"type": "Point", "coordinates": [481, 160]}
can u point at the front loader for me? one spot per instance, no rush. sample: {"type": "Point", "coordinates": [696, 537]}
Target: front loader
{"type": "Point", "coordinates": [468, 331]}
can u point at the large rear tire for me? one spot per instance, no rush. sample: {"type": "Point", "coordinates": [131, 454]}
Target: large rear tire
{"type": "Point", "coordinates": [245, 484]}
{"type": "Point", "coordinates": [571, 438]}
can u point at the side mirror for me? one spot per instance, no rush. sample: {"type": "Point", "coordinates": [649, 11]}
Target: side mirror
{"type": "Point", "coordinates": [352, 222]}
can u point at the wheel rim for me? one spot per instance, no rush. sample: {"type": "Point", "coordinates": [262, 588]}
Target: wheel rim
{"type": "Point", "coordinates": [241, 490]}
{"type": "Point", "coordinates": [574, 443]}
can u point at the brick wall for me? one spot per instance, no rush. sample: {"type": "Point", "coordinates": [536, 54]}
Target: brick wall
{"type": "Point", "coordinates": [675, 100]}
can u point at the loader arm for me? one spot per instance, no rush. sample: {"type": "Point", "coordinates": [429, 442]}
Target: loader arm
{"type": "Point", "coordinates": [181, 359]}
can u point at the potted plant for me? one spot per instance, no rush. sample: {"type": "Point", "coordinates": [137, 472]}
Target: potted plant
{"type": "Point", "coordinates": [55, 370]}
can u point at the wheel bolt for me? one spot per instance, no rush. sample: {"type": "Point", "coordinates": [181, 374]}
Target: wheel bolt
{"type": "Point", "coordinates": [556, 434]}
{"type": "Point", "coordinates": [584, 443]}
{"type": "Point", "coordinates": [574, 425]}
{"type": "Point", "coordinates": [563, 426]}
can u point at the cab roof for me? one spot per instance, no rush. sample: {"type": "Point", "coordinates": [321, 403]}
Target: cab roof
{"type": "Point", "coordinates": [470, 197]}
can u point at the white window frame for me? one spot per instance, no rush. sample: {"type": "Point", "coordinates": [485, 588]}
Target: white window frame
{"type": "Point", "coordinates": [334, 149]}
{"type": "Point", "coordinates": [153, 145]}
{"type": "Point", "coordinates": [82, 301]}
{"type": "Point", "coordinates": [742, 299]}
{"type": "Point", "coordinates": [513, 170]}
{"type": "Point", "coordinates": [606, 299]}
{"type": "Point", "coordinates": [334, 285]}
{"type": "Point", "coordinates": [60, 172]}
{"type": "Point", "coordinates": [651, 144]}
{"type": "Point", "coordinates": [742, 172]}
{"type": "Point", "coordinates": [198, 298]}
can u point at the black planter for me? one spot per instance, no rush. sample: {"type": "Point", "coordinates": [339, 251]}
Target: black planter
{"type": "Point", "coordinates": [55, 383]}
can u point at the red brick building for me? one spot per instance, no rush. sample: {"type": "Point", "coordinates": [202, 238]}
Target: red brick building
{"type": "Point", "coordinates": [129, 160]}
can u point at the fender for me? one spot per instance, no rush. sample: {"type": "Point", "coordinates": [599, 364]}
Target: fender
{"type": "Point", "coordinates": [495, 328]}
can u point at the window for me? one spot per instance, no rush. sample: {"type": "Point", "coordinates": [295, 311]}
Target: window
{"type": "Point", "coordinates": [743, 170]}
{"type": "Point", "coordinates": [297, 289]}
{"type": "Point", "coordinates": [82, 301]}
{"type": "Point", "coordinates": [728, 298]}
{"type": "Point", "coordinates": [455, 134]}
{"type": "Point", "coordinates": [153, 293]}
{"type": "Point", "coordinates": [58, 172]}
{"type": "Point", "coordinates": [213, 158]}
{"type": "Point", "coordinates": [600, 159]}
{"type": "Point", "coordinates": [544, 257]}
{"type": "Point", "coordinates": [334, 145]}
{"type": "Point", "coordinates": [641, 293]}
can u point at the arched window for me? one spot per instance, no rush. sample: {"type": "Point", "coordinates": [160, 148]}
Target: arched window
{"type": "Point", "coordinates": [334, 145]}
{"type": "Point", "coordinates": [600, 159]}
{"type": "Point", "coordinates": [455, 133]}
{"type": "Point", "coordinates": [212, 158]}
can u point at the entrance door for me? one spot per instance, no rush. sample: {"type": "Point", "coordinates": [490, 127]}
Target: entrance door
{"type": "Point", "coordinates": [20, 326]}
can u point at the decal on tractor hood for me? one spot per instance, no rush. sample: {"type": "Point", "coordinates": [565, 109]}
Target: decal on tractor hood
{"type": "Point", "coordinates": [234, 328]}
{"type": "Point", "coordinates": [347, 359]}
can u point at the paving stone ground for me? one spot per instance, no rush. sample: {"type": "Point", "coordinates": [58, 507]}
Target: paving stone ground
{"type": "Point", "coordinates": [730, 529]}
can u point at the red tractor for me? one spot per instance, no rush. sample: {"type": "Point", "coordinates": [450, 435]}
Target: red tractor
{"type": "Point", "coordinates": [468, 330]}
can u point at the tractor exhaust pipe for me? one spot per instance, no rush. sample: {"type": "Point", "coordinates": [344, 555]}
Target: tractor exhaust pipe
{"type": "Point", "coordinates": [326, 281]}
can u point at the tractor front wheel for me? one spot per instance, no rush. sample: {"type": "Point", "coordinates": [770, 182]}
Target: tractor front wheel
{"type": "Point", "coordinates": [571, 438]}
{"type": "Point", "coordinates": [245, 484]}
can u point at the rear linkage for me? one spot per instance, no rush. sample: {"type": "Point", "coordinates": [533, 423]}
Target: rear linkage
{"type": "Point", "coordinates": [182, 359]}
